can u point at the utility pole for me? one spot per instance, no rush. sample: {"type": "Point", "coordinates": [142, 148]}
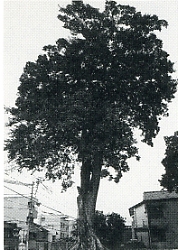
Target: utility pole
{"type": "Point", "coordinates": [30, 215]}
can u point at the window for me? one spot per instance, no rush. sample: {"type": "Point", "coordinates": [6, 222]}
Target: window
{"type": "Point", "coordinates": [32, 236]}
{"type": "Point", "coordinates": [42, 218]}
{"type": "Point", "coordinates": [157, 234]}
{"type": "Point", "coordinates": [155, 211]}
{"type": "Point", "coordinates": [62, 235]}
{"type": "Point", "coordinates": [8, 233]}
{"type": "Point", "coordinates": [62, 225]}
{"type": "Point", "coordinates": [43, 235]}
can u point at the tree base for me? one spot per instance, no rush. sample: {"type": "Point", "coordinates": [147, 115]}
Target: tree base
{"type": "Point", "coordinates": [91, 243]}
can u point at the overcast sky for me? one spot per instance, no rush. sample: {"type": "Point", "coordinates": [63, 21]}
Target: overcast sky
{"type": "Point", "coordinates": [28, 26]}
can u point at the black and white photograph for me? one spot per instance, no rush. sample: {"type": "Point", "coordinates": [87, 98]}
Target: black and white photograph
{"type": "Point", "coordinates": [90, 128]}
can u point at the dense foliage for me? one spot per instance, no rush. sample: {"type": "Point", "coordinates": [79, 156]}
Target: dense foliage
{"type": "Point", "coordinates": [86, 94]}
{"type": "Point", "coordinates": [82, 99]}
{"type": "Point", "coordinates": [109, 228]}
{"type": "Point", "coordinates": [170, 162]}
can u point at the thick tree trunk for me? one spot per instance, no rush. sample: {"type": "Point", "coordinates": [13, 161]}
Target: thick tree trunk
{"type": "Point", "coordinates": [90, 179]}
{"type": "Point", "coordinates": [87, 239]}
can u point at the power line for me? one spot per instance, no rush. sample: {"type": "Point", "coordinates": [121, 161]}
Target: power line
{"type": "Point", "coordinates": [45, 226]}
{"type": "Point", "coordinates": [10, 169]}
{"type": "Point", "coordinates": [40, 226]}
{"type": "Point", "coordinates": [17, 182]}
{"type": "Point", "coordinates": [17, 192]}
{"type": "Point", "coordinates": [15, 220]}
{"type": "Point", "coordinates": [39, 180]}
{"type": "Point", "coordinates": [29, 199]}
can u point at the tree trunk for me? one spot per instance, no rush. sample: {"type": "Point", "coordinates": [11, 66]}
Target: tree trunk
{"type": "Point", "coordinates": [86, 200]}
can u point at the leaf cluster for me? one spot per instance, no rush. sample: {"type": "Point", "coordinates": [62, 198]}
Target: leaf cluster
{"type": "Point", "coordinates": [109, 228]}
{"type": "Point", "coordinates": [170, 162]}
{"type": "Point", "coordinates": [86, 94]}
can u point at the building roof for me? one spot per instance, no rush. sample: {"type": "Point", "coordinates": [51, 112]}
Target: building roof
{"type": "Point", "coordinates": [16, 196]}
{"type": "Point", "coordinates": [35, 227]}
{"type": "Point", "coordinates": [152, 196]}
{"type": "Point", "coordinates": [159, 195]}
{"type": "Point", "coordinates": [10, 225]}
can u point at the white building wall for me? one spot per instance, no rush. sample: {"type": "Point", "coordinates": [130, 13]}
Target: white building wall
{"type": "Point", "coordinates": [51, 222]}
{"type": "Point", "coordinates": [140, 225]}
{"type": "Point", "coordinates": [59, 225]}
{"type": "Point", "coordinates": [140, 217]}
{"type": "Point", "coordinates": [16, 209]}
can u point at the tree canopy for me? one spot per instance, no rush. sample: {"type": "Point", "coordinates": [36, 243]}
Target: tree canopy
{"type": "Point", "coordinates": [170, 162]}
{"type": "Point", "coordinates": [87, 94]}
{"type": "Point", "coordinates": [83, 97]}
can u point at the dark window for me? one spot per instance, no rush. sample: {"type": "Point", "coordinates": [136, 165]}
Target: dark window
{"type": "Point", "coordinates": [158, 234]}
{"type": "Point", "coordinates": [62, 225]}
{"type": "Point", "coordinates": [44, 235]}
{"type": "Point", "coordinates": [8, 233]}
{"type": "Point", "coordinates": [32, 236]}
{"type": "Point", "coordinates": [62, 235]}
{"type": "Point", "coordinates": [155, 211]}
{"type": "Point", "coordinates": [42, 218]}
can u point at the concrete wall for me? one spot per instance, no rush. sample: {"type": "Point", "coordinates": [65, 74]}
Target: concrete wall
{"type": "Point", "coordinates": [16, 209]}
{"type": "Point", "coordinates": [157, 218]}
{"type": "Point", "coordinates": [143, 236]}
{"type": "Point", "coordinates": [140, 224]}
{"type": "Point", "coordinates": [56, 223]}
{"type": "Point", "coordinates": [170, 225]}
{"type": "Point", "coordinates": [140, 217]}
{"type": "Point", "coordinates": [171, 213]}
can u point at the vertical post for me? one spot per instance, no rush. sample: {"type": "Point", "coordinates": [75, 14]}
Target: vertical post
{"type": "Point", "coordinates": [30, 215]}
{"type": "Point", "coordinates": [149, 223]}
{"type": "Point", "coordinates": [27, 237]}
{"type": "Point", "coordinates": [133, 230]}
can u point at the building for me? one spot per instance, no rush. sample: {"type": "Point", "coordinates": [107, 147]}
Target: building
{"type": "Point", "coordinates": [37, 230]}
{"type": "Point", "coordinates": [127, 234]}
{"type": "Point", "coordinates": [38, 237]}
{"type": "Point", "coordinates": [67, 226]}
{"type": "Point", "coordinates": [59, 228]}
{"type": "Point", "coordinates": [59, 225]}
{"type": "Point", "coordinates": [21, 211]}
{"type": "Point", "coordinates": [11, 236]}
{"type": "Point", "coordinates": [52, 222]}
{"type": "Point", "coordinates": [155, 220]}
{"type": "Point", "coordinates": [17, 209]}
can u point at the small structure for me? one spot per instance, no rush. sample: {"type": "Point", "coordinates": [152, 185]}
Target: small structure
{"type": "Point", "coordinates": [11, 236]}
{"type": "Point", "coordinates": [155, 220]}
{"type": "Point", "coordinates": [17, 208]}
{"type": "Point", "coordinates": [38, 237]}
{"type": "Point", "coordinates": [60, 228]}
{"type": "Point", "coordinates": [127, 234]}
{"type": "Point", "coordinates": [22, 210]}
{"type": "Point", "coordinates": [37, 231]}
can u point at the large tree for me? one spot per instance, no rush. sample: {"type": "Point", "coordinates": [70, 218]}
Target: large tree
{"type": "Point", "coordinates": [170, 162]}
{"type": "Point", "coordinates": [82, 99]}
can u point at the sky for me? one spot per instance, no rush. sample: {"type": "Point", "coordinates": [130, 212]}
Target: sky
{"type": "Point", "coordinates": [28, 26]}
